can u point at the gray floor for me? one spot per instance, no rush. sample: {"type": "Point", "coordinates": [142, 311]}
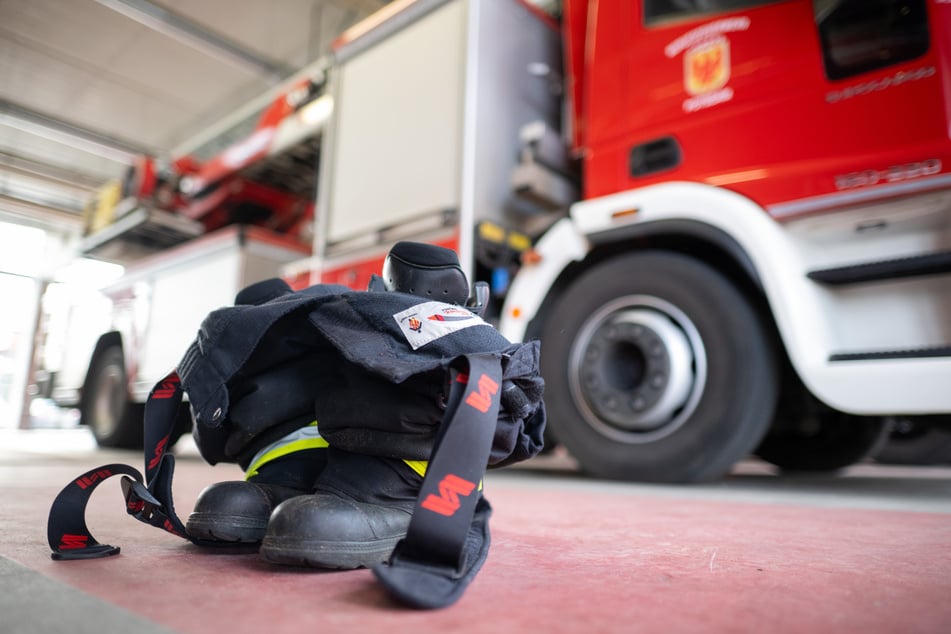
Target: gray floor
{"type": "Point", "coordinates": [866, 551]}
{"type": "Point", "coordinates": [863, 486]}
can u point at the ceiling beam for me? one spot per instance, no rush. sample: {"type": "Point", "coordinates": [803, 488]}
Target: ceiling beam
{"type": "Point", "coordinates": [24, 212]}
{"type": "Point", "coordinates": [97, 143]}
{"type": "Point", "coordinates": [191, 33]}
{"type": "Point", "coordinates": [55, 174]}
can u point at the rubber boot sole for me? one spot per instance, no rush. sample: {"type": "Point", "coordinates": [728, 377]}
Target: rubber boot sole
{"type": "Point", "coordinates": [226, 528]}
{"type": "Point", "coordinates": [334, 555]}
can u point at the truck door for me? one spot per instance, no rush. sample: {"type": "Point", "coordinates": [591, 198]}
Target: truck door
{"type": "Point", "coordinates": [781, 101]}
{"type": "Point", "coordinates": [882, 111]}
{"type": "Point", "coordinates": [707, 89]}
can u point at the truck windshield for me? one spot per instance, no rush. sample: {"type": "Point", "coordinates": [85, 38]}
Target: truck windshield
{"type": "Point", "coordinates": [662, 10]}
{"type": "Point", "coordinates": [863, 35]}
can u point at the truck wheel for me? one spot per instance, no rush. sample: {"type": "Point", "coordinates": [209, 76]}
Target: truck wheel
{"type": "Point", "coordinates": [828, 441]}
{"type": "Point", "coordinates": [106, 409]}
{"type": "Point", "coordinates": [657, 368]}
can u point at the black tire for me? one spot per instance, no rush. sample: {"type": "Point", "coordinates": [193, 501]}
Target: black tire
{"type": "Point", "coordinates": [114, 420]}
{"type": "Point", "coordinates": [658, 369]}
{"type": "Point", "coordinates": [829, 441]}
{"type": "Point", "coordinates": [917, 440]}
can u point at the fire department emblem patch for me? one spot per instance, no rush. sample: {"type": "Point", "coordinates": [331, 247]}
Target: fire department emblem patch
{"type": "Point", "coordinates": [431, 320]}
{"type": "Point", "coordinates": [707, 66]}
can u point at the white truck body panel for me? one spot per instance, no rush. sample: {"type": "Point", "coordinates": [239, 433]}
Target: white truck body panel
{"type": "Point", "coordinates": [159, 304]}
{"type": "Point", "coordinates": [814, 321]}
{"type": "Point", "coordinates": [381, 180]}
{"type": "Point", "coordinates": [373, 103]}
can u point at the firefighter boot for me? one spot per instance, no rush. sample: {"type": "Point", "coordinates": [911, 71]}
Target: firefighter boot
{"type": "Point", "coordinates": [361, 508]}
{"type": "Point", "coordinates": [238, 511]}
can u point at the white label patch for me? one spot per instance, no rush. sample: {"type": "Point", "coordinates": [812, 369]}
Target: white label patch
{"type": "Point", "coordinates": [427, 322]}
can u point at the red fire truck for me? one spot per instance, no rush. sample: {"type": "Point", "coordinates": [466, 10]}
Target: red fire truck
{"type": "Point", "coordinates": [728, 221]}
{"type": "Point", "coordinates": [738, 211]}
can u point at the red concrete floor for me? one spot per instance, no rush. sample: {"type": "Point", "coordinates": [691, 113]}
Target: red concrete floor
{"type": "Point", "coordinates": [754, 553]}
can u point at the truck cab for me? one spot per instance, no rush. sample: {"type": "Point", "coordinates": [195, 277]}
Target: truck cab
{"type": "Point", "coordinates": [766, 206]}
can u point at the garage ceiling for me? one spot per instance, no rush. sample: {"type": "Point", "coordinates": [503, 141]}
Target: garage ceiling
{"type": "Point", "coordinates": [85, 85]}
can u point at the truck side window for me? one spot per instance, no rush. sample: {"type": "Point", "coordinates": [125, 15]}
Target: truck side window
{"type": "Point", "coordinates": [663, 10]}
{"type": "Point", "coordinates": [862, 35]}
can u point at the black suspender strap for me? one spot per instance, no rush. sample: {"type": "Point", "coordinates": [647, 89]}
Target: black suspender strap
{"type": "Point", "coordinates": [68, 536]}
{"type": "Point", "coordinates": [153, 505]}
{"type": "Point", "coordinates": [448, 537]}
{"type": "Point", "coordinates": [66, 529]}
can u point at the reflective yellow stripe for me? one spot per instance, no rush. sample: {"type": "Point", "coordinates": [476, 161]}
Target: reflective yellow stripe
{"type": "Point", "coordinates": [419, 466]}
{"type": "Point", "coordinates": [304, 438]}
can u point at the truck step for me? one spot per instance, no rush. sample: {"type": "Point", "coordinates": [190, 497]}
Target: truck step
{"type": "Point", "coordinates": [927, 264]}
{"type": "Point", "coordinates": [912, 353]}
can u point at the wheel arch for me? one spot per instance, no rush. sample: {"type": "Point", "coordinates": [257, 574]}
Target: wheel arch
{"type": "Point", "coordinates": [696, 239]}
